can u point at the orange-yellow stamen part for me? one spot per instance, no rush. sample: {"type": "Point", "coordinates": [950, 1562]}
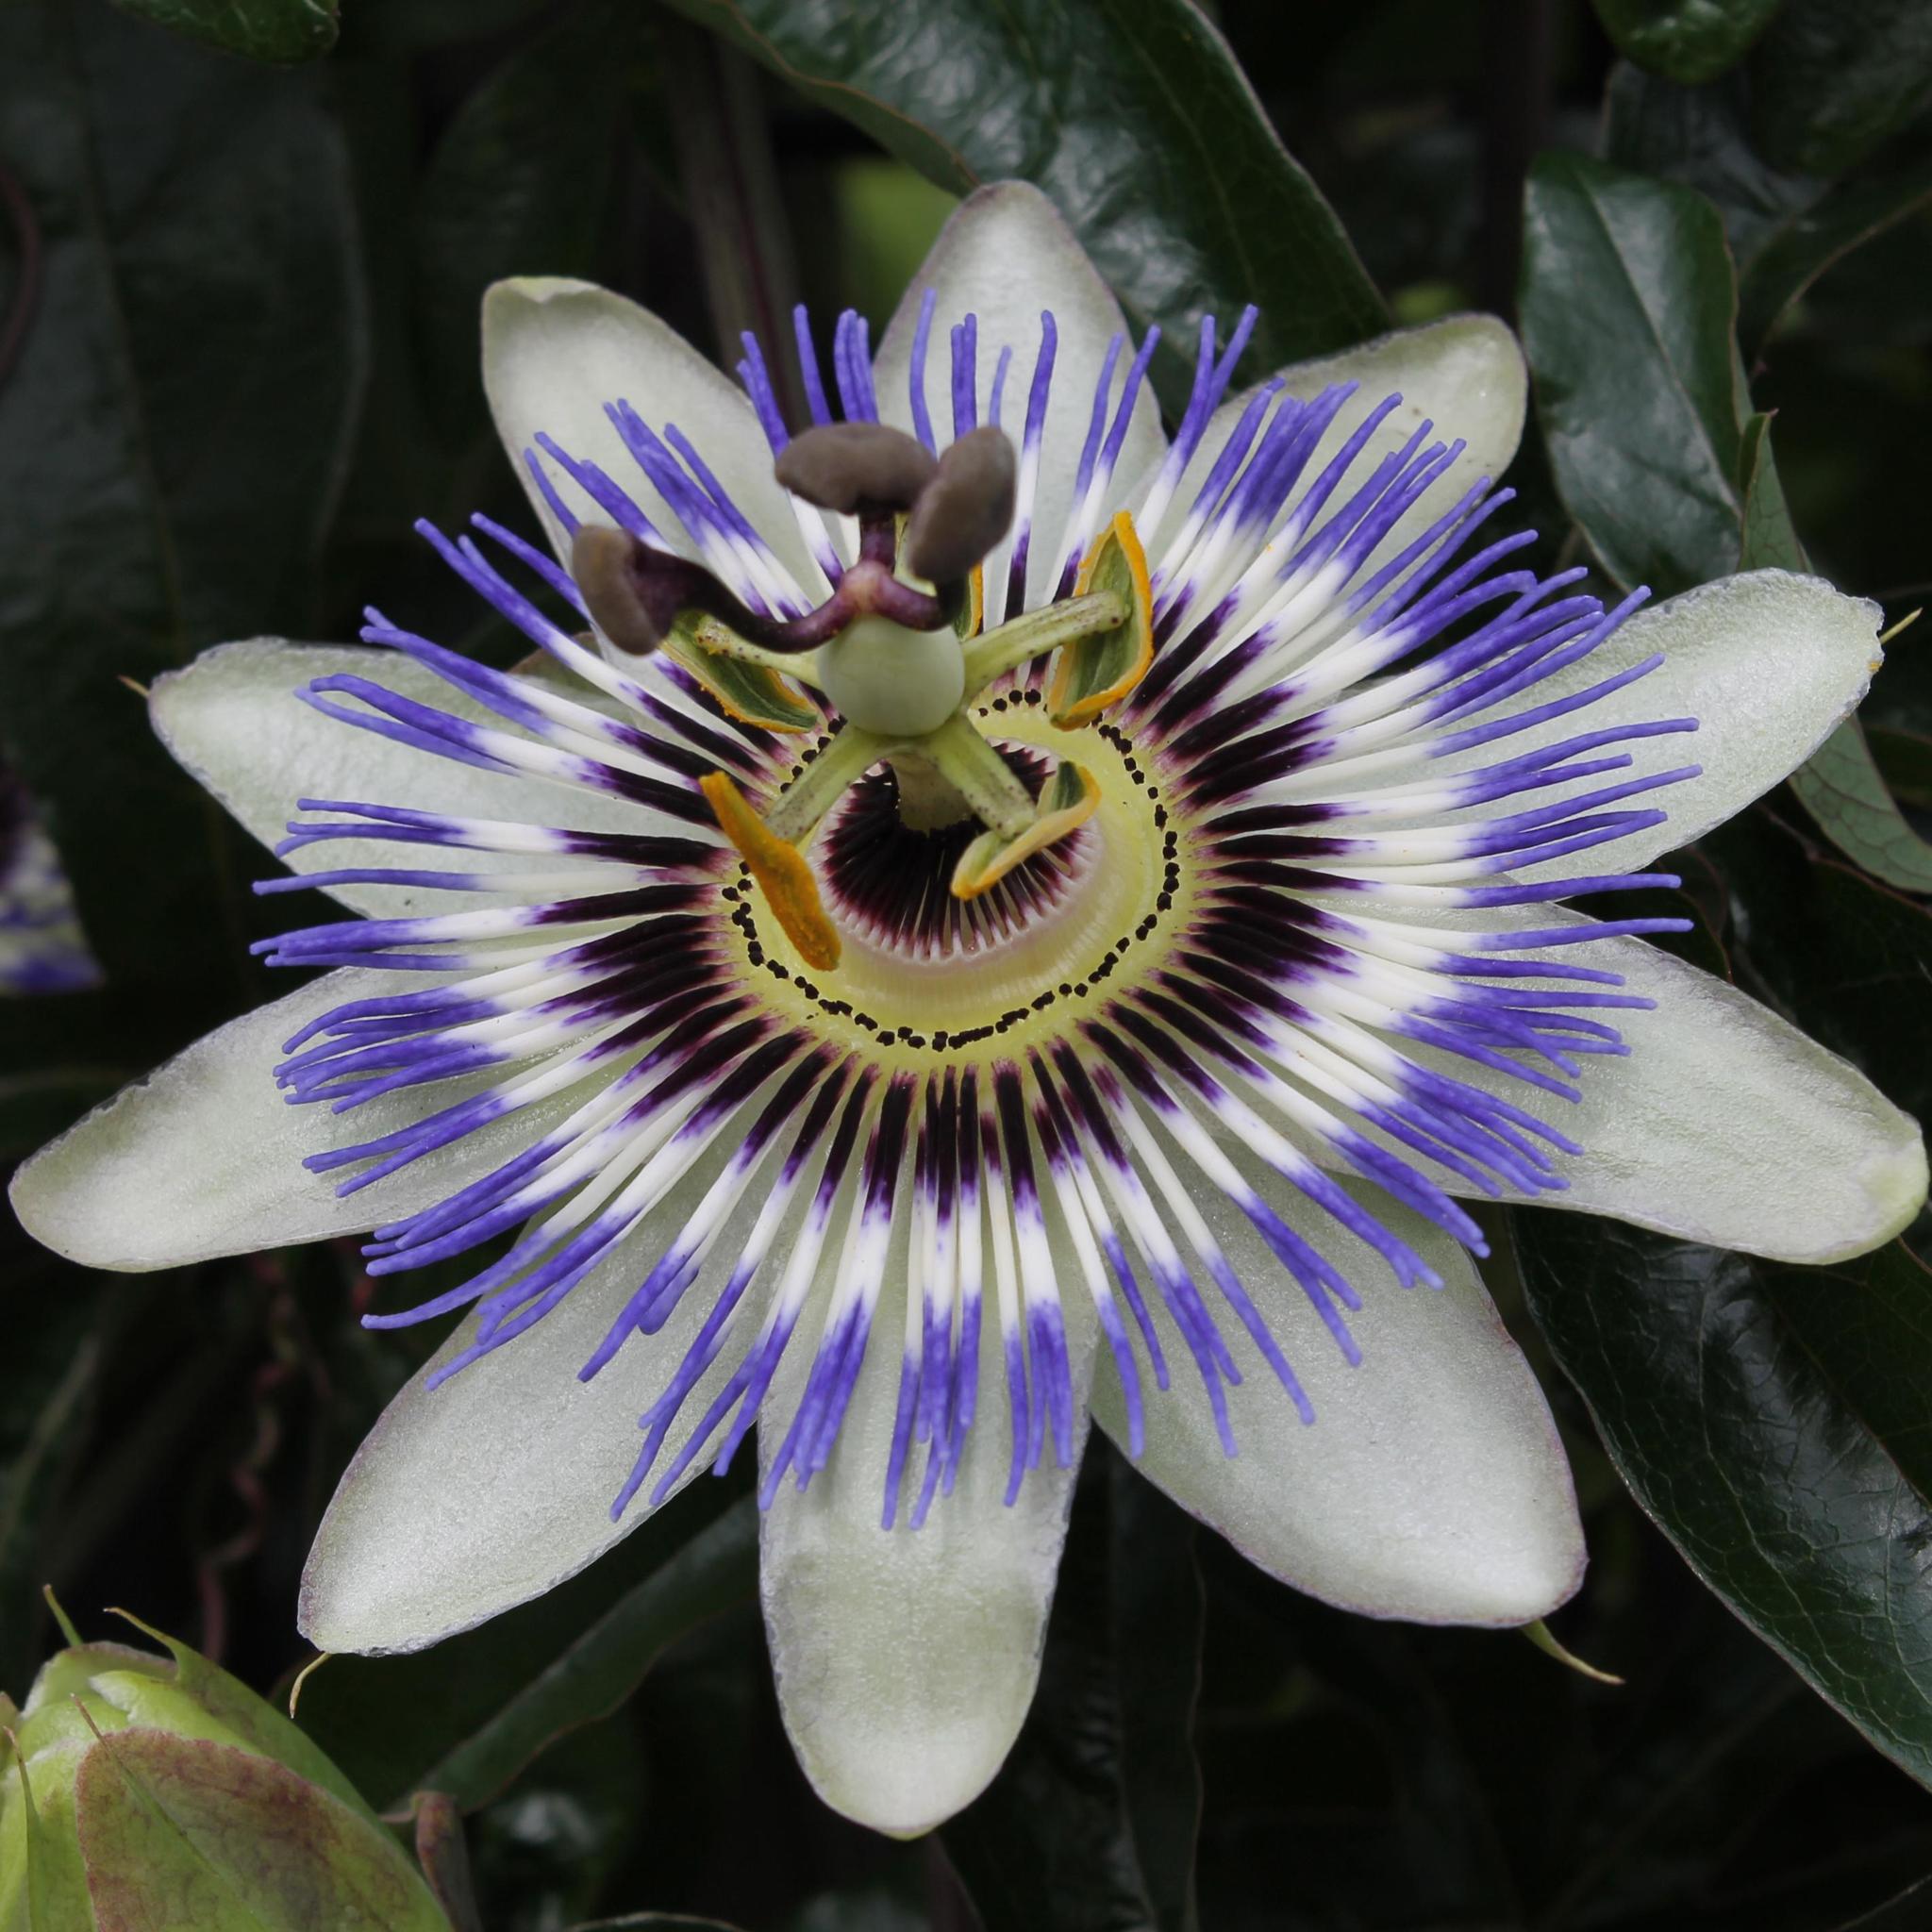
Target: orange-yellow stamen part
{"type": "Point", "coordinates": [1116, 563]}
{"type": "Point", "coordinates": [782, 874]}
{"type": "Point", "coordinates": [986, 861]}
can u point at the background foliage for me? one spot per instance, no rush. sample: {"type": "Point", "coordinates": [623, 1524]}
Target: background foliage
{"type": "Point", "coordinates": [242, 243]}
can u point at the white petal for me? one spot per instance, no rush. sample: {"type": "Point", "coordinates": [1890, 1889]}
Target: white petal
{"type": "Point", "coordinates": [1004, 255]}
{"type": "Point", "coordinates": [1464, 373]}
{"type": "Point", "coordinates": [906, 1659]}
{"type": "Point", "coordinates": [1431, 1485]}
{"type": "Point", "coordinates": [471, 1498]}
{"type": "Point", "coordinates": [555, 351]}
{"type": "Point", "coordinates": [203, 1156]}
{"type": "Point", "coordinates": [1725, 1124]}
{"type": "Point", "coordinates": [232, 719]}
{"type": "Point", "coordinates": [1768, 664]}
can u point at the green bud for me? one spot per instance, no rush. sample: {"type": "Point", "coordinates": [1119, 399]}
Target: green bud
{"type": "Point", "coordinates": [145, 1791]}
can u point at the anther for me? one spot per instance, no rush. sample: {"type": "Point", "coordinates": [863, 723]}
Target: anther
{"type": "Point", "coordinates": [965, 509]}
{"type": "Point", "coordinates": [853, 467]}
{"type": "Point", "coordinates": [634, 593]}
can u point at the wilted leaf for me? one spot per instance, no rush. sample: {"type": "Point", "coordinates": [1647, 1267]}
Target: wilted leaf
{"type": "Point", "coordinates": [177, 1831]}
{"type": "Point", "coordinates": [1131, 114]}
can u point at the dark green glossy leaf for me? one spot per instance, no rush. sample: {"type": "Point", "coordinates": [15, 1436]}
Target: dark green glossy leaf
{"type": "Point", "coordinates": [282, 31]}
{"type": "Point", "coordinates": [465, 1718]}
{"type": "Point", "coordinates": [519, 185]}
{"type": "Point", "coordinates": [1627, 304]}
{"type": "Point", "coordinates": [1132, 114]}
{"type": "Point", "coordinates": [1832, 78]}
{"type": "Point", "coordinates": [1686, 40]}
{"type": "Point", "coordinates": [1091, 1823]}
{"type": "Point", "coordinates": [171, 438]}
{"type": "Point", "coordinates": [1777, 1422]}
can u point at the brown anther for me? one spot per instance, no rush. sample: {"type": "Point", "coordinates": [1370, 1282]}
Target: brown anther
{"type": "Point", "coordinates": [854, 466]}
{"type": "Point", "coordinates": [965, 509]}
{"type": "Point", "coordinates": [634, 593]}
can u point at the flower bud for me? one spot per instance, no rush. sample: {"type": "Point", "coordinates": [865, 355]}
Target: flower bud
{"type": "Point", "coordinates": [135, 1788]}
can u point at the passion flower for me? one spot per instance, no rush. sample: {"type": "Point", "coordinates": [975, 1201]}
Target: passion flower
{"type": "Point", "coordinates": [977, 915]}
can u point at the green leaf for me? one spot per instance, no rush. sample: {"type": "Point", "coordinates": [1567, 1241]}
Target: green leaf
{"type": "Point", "coordinates": [520, 184]}
{"type": "Point", "coordinates": [1841, 788]}
{"type": "Point", "coordinates": [1091, 1824]}
{"type": "Point", "coordinates": [1777, 1424]}
{"type": "Point", "coordinates": [1685, 39]}
{"type": "Point", "coordinates": [1131, 114]}
{"type": "Point", "coordinates": [178, 1831]}
{"type": "Point", "coordinates": [171, 439]}
{"type": "Point", "coordinates": [1627, 306]}
{"type": "Point", "coordinates": [465, 1718]}
{"type": "Point", "coordinates": [1832, 78]}
{"type": "Point", "coordinates": [281, 31]}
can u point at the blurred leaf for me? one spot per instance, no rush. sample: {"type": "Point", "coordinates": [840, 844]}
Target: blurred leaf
{"type": "Point", "coordinates": [282, 31]}
{"type": "Point", "coordinates": [1810, 239]}
{"type": "Point", "coordinates": [1627, 306]}
{"type": "Point", "coordinates": [1832, 78]}
{"type": "Point", "coordinates": [1685, 39]}
{"type": "Point", "coordinates": [171, 438]}
{"type": "Point", "coordinates": [465, 1718]}
{"type": "Point", "coordinates": [1785, 229]}
{"type": "Point", "coordinates": [1131, 114]}
{"type": "Point", "coordinates": [179, 1831]}
{"type": "Point", "coordinates": [1092, 1821]}
{"type": "Point", "coordinates": [46, 1397]}
{"type": "Point", "coordinates": [1777, 1421]}
{"type": "Point", "coordinates": [519, 185]}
